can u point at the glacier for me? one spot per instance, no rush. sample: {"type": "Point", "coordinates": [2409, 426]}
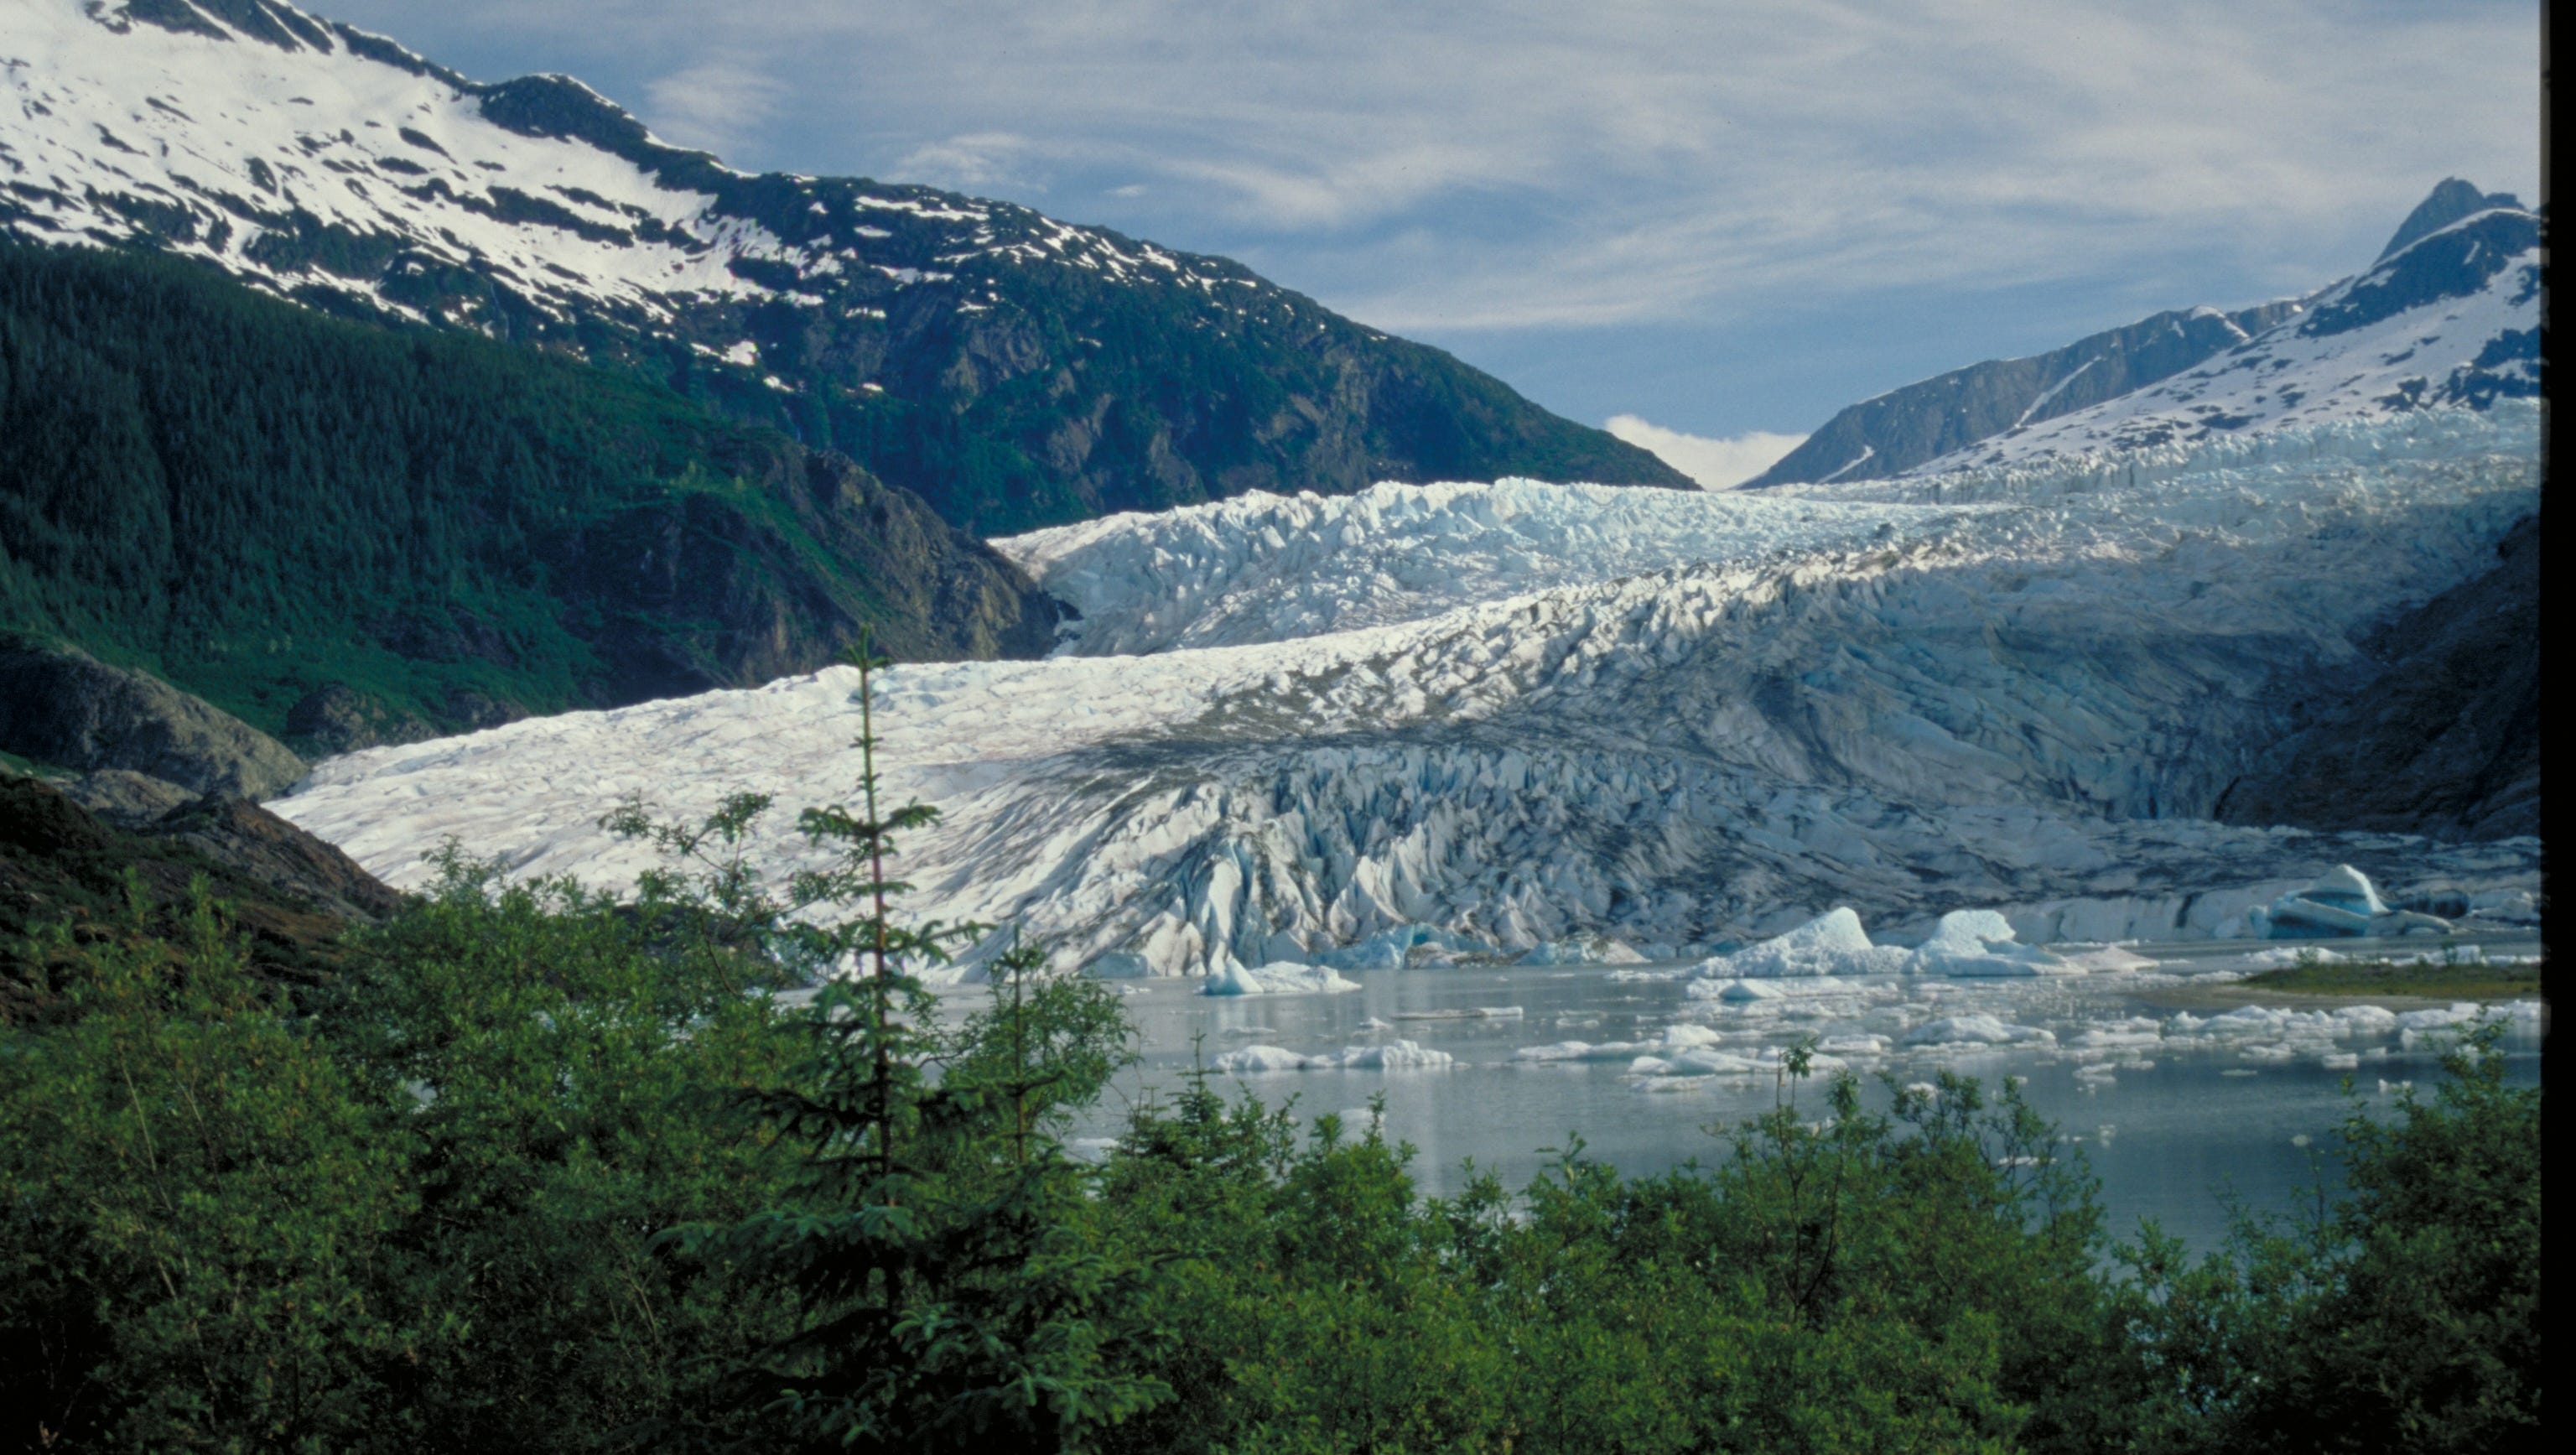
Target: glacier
{"type": "Point", "coordinates": [1437, 722]}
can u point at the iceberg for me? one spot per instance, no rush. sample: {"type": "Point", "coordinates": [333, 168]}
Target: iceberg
{"type": "Point", "coordinates": [1833, 943]}
{"type": "Point", "coordinates": [1966, 942]}
{"type": "Point", "coordinates": [1395, 1056]}
{"type": "Point", "coordinates": [1981, 942]}
{"type": "Point", "coordinates": [2342, 902]}
{"type": "Point", "coordinates": [1977, 1029]}
{"type": "Point", "coordinates": [1278, 978]}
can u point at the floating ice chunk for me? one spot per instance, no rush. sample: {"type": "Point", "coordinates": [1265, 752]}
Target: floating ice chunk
{"type": "Point", "coordinates": [2340, 1061]}
{"type": "Point", "coordinates": [1687, 1035]}
{"type": "Point", "coordinates": [1262, 1058]}
{"type": "Point", "coordinates": [1831, 944]}
{"type": "Point", "coordinates": [1967, 942]}
{"type": "Point", "coordinates": [1398, 1056]}
{"type": "Point", "coordinates": [1277, 978]}
{"type": "Point", "coordinates": [1981, 942]}
{"type": "Point", "coordinates": [2277, 959]}
{"type": "Point", "coordinates": [1582, 1051]}
{"type": "Point", "coordinates": [2341, 903]}
{"type": "Point", "coordinates": [2133, 1031]}
{"type": "Point", "coordinates": [1668, 1084]}
{"type": "Point", "coordinates": [1977, 1029]}
{"type": "Point", "coordinates": [1734, 991]}
{"type": "Point", "coordinates": [1862, 1045]}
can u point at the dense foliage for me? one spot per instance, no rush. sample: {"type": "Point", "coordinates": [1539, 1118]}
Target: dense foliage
{"type": "Point", "coordinates": [541, 1171]}
{"type": "Point", "coordinates": [255, 499]}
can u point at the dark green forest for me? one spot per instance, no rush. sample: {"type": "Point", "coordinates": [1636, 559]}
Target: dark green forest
{"type": "Point", "coordinates": [530, 1169]}
{"type": "Point", "coordinates": [253, 500]}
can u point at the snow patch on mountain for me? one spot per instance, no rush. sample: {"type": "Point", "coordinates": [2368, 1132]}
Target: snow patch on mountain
{"type": "Point", "coordinates": [1663, 718]}
{"type": "Point", "coordinates": [232, 148]}
{"type": "Point", "coordinates": [306, 156]}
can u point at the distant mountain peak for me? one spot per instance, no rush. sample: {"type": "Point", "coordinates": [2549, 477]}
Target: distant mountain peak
{"type": "Point", "coordinates": [2451, 200]}
{"type": "Point", "coordinates": [2447, 315]}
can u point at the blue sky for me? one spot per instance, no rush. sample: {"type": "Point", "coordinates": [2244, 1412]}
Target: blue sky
{"type": "Point", "coordinates": [1724, 219]}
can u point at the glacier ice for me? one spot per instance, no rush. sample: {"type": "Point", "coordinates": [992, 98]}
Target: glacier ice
{"type": "Point", "coordinates": [1646, 717]}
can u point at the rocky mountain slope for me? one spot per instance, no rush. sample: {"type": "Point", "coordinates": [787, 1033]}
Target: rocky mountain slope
{"type": "Point", "coordinates": [2439, 730]}
{"type": "Point", "coordinates": [2448, 314]}
{"type": "Point", "coordinates": [1012, 369]}
{"type": "Point", "coordinates": [2024, 689]}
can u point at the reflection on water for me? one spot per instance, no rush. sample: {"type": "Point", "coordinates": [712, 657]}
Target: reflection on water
{"type": "Point", "coordinates": [2177, 1110]}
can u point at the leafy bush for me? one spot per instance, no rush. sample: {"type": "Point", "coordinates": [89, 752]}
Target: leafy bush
{"type": "Point", "coordinates": [541, 1170]}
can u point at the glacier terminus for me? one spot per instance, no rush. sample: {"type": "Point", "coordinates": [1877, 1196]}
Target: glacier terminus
{"type": "Point", "coordinates": [1502, 720]}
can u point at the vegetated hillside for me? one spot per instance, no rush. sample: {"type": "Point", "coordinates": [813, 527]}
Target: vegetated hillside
{"type": "Point", "coordinates": [1014, 370]}
{"type": "Point", "coordinates": [2442, 317]}
{"type": "Point", "coordinates": [258, 502]}
{"type": "Point", "coordinates": [290, 894]}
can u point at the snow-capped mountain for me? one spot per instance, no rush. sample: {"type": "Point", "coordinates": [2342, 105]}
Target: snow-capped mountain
{"type": "Point", "coordinates": [2448, 314]}
{"type": "Point", "coordinates": [1499, 716]}
{"type": "Point", "coordinates": [2452, 318]}
{"type": "Point", "coordinates": [335, 167]}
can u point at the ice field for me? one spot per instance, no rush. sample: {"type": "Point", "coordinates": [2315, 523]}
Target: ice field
{"type": "Point", "coordinates": [1467, 721]}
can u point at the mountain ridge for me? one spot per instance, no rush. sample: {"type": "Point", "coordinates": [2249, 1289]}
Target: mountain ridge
{"type": "Point", "coordinates": [1012, 369]}
{"type": "Point", "coordinates": [2007, 409]}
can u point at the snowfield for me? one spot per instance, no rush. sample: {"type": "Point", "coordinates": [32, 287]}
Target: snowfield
{"type": "Point", "coordinates": [1457, 719]}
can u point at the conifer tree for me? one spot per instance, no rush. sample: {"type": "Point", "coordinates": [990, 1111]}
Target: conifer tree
{"type": "Point", "coordinates": [947, 1292]}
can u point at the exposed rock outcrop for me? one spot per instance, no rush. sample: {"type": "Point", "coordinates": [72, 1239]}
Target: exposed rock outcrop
{"type": "Point", "coordinates": [60, 705]}
{"type": "Point", "coordinates": [123, 797]}
{"type": "Point", "coordinates": [2442, 738]}
{"type": "Point", "coordinates": [338, 718]}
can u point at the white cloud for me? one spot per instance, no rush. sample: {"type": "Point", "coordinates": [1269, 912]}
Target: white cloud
{"type": "Point", "coordinates": [720, 104]}
{"type": "Point", "coordinates": [1771, 174]}
{"type": "Point", "coordinates": [1717, 464]}
{"type": "Point", "coordinates": [1510, 163]}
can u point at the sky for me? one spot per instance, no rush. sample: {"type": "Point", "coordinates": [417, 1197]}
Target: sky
{"type": "Point", "coordinates": [1708, 224]}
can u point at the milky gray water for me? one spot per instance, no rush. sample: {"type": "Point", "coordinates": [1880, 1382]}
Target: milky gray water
{"type": "Point", "coordinates": [2177, 1117]}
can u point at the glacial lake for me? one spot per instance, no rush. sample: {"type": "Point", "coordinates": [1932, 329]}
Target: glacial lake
{"type": "Point", "coordinates": [2186, 1108]}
